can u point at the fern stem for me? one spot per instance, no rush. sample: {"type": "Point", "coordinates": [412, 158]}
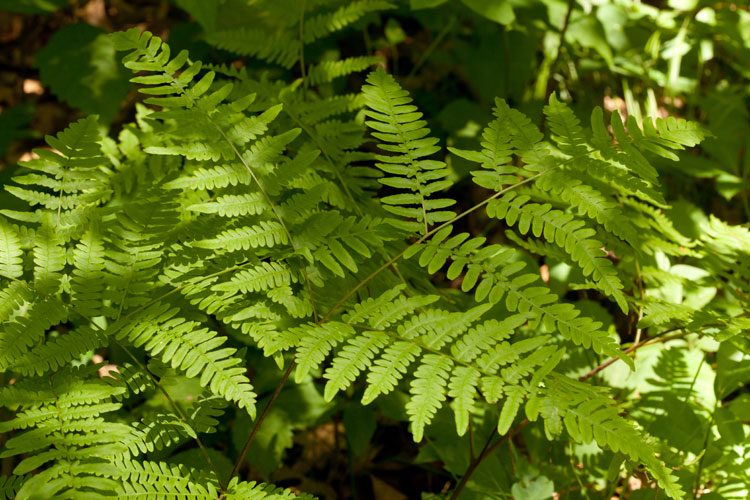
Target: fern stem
{"type": "Point", "coordinates": [257, 425]}
{"type": "Point", "coordinates": [487, 450]}
{"type": "Point", "coordinates": [563, 31]}
{"type": "Point", "coordinates": [427, 235]}
{"type": "Point", "coordinates": [706, 442]}
{"type": "Point", "coordinates": [659, 337]}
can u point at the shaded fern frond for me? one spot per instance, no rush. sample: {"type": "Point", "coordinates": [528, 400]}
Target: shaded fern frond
{"type": "Point", "coordinates": [279, 47]}
{"type": "Point", "coordinates": [9, 486]}
{"type": "Point", "coordinates": [23, 331]}
{"type": "Point", "coordinates": [325, 23]}
{"type": "Point", "coordinates": [327, 71]}
{"type": "Point", "coordinates": [59, 351]}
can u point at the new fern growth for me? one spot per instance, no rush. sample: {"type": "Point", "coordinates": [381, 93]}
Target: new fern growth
{"type": "Point", "coordinates": [237, 215]}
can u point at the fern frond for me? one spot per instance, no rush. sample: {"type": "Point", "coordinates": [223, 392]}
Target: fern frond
{"type": "Point", "coordinates": [565, 127]}
{"type": "Point", "coordinates": [323, 24]}
{"type": "Point", "coordinates": [278, 47]}
{"type": "Point", "coordinates": [509, 410]}
{"type": "Point", "coordinates": [139, 236]}
{"type": "Point", "coordinates": [49, 258]}
{"type": "Point", "coordinates": [386, 371]}
{"type": "Point", "coordinates": [678, 131]}
{"type": "Point", "coordinates": [69, 176]}
{"type": "Point", "coordinates": [485, 271]}
{"type": "Point", "coordinates": [154, 433]}
{"type": "Point", "coordinates": [213, 178]}
{"type": "Point", "coordinates": [25, 330]}
{"type": "Point", "coordinates": [68, 434]}
{"type": "Point", "coordinates": [372, 308]}
{"type": "Point", "coordinates": [588, 416]}
{"type": "Point", "coordinates": [353, 358]}
{"type": "Point", "coordinates": [591, 203]}
{"type": "Point", "coordinates": [315, 342]}
{"type": "Point", "coordinates": [188, 348]}
{"type": "Point", "coordinates": [261, 491]}
{"type": "Point", "coordinates": [566, 232]}
{"type": "Point", "coordinates": [232, 205]}
{"type": "Point", "coordinates": [510, 133]}
{"type": "Point", "coordinates": [427, 392]}
{"type": "Point", "coordinates": [9, 486]}
{"type": "Point", "coordinates": [264, 276]}
{"type": "Point", "coordinates": [327, 71]}
{"type": "Point", "coordinates": [10, 250]}
{"type": "Point", "coordinates": [398, 125]}
{"type": "Point", "coordinates": [263, 234]}
{"type": "Point", "coordinates": [89, 275]}
{"type": "Point", "coordinates": [462, 387]}
{"type": "Point", "coordinates": [163, 480]}
{"type": "Point", "coordinates": [59, 351]}
{"type": "Point", "coordinates": [204, 414]}
{"type": "Point", "coordinates": [480, 338]}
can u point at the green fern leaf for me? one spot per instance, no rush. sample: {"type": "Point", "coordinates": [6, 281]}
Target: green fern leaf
{"type": "Point", "coordinates": [163, 480]}
{"type": "Point", "coordinates": [463, 389]}
{"type": "Point", "coordinates": [427, 392]}
{"type": "Point", "coordinates": [273, 47]}
{"type": "Point", "coordinates": [398, 125]}
{"type": "Point", "coordinates": [10, 250]}
{"type": "Point", "coordinates": [264, 276]}
{"type": "Point", "coordinates": [59, 351]}
{"type": "Point", "coordinates": [261, 491]}
{"type": "Point", "coordinates": [263, 234]}
{"type": "Point", "coordinates": [323, 24]}
{"type": "Point", "coordinates": [9, 486]}
{"type": "Point", "coordinates": [23, 331]}
{"type": "Point", "coordinates": [88, 276]}
{"type": "Point", "coordinates": [389, 369]}
{"type": "Point", "coordinates": [232, 205]}
{"type": "Point", "coordinates": [213, 178]}
{"type": "Point", "coordinates": [49, 259]}
{"type": "Point", "coordinates": [353, 358]}
{"type": "Point", "coordinates": [194, 351]}
{"type": "Point", "coordinates": [510, 409]}
{"type": "Point", "coordinates": [327, 71]}
{"type": "Point", "coordinates": [571, 235]}
{"type": "Point", "coordinates": [316, 341]}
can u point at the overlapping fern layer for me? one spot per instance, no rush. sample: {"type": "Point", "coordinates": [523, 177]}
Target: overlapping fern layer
{"type": "Point", "coordinates": [236, 211]}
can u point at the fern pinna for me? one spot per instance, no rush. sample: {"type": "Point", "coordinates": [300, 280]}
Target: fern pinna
{"type": "Point", "coordinates": [237, 216]}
